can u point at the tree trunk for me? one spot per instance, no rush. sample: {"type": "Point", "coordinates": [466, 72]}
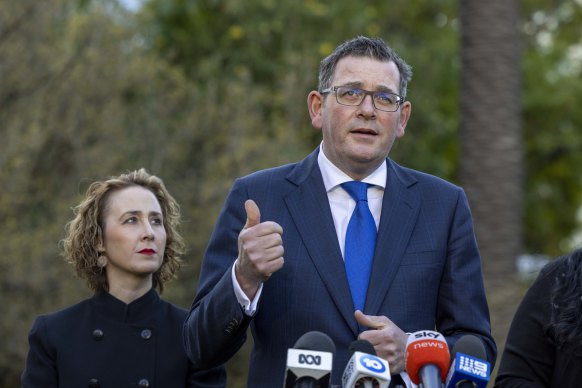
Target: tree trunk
{"type": "Point", "coordinates": [491, 166]}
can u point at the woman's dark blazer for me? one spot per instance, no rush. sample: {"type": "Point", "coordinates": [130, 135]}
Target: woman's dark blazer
{"type": "Point", "coordinates": [103, 342]}
{"type": "Point", "coordinates": [530, 358]}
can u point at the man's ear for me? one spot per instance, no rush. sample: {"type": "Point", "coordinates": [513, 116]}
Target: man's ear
{"type": "Point", "coordinates": [405, 110]}
{"type": "Point", "coordinates": [315, 105]}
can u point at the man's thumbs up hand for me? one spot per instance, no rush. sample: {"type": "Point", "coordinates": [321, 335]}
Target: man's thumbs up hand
{"type": "Point", "coordinates": [260, 250]}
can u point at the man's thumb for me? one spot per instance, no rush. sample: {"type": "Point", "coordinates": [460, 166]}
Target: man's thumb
{"type": "Point", "coordinates": [253, 213]}
{"type": "Point", "coordinates": [370, 321]}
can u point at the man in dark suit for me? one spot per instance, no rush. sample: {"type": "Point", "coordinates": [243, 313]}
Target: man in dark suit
{"type": "Point", "coordinates": [276, 258]}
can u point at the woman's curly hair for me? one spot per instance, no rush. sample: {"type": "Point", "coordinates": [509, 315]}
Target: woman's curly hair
{"type": "Point", "coordinates": [565, 325]}
{"type": "Point", "coordinates": [84, 233]}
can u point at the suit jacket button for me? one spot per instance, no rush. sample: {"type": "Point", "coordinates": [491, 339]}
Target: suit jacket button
{"type": "Point", "coordinates": [146, 334]}
{"type": "Point", "coordinates": [98, 334]}
{"type": "Point", "coordinates": [93, 383]}
{"type": "Point", "coordinates": [229, 328]}
{"type": "Point", "coordinates": [143, 383]}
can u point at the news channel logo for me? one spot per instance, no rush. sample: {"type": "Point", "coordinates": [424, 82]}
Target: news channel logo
{"type": "Point", "coordinates": [474, 366]}
{"type": "Point", "coordinates": [309, 359]}
{"type": "Point", "coordinates": [372, 363]}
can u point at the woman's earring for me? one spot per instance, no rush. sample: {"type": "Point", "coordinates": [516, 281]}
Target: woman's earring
{"type": "Point", "coordinates": [102, 260]}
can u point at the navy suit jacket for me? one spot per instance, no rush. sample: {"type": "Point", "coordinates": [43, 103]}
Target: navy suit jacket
{"type": "Point", "coordinates": [426, 272]}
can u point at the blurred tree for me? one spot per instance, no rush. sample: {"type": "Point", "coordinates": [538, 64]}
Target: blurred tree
{"type": "Point", "coordinates": [200, 92]}
{"type": "Point", "coordinates": [491, 145]}
{"type": "Point", "coordinates": [518, 155]}
{"type": "Point", "coordinates": [274, 48]}
{"type": "Point", "coordinates": [552, 124]}
{"type": "Point", "coordinates": [81, 99]}
{"type": "Point", "coordinates": [490, 164]}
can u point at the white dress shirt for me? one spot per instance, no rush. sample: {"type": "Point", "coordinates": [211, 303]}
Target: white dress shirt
{"type": "Point", "coordinates": [341, 203]}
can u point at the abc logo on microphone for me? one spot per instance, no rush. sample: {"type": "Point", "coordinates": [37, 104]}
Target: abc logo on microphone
{"type": "Point", "coordinates": [309, 359]}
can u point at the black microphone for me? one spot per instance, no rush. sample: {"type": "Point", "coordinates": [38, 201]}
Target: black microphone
{"type": "Point", "coordinates": [365, 370]}
{"type": "Point", "coordinates": [469, 368]}
{"type": "Point", "coordinates": [309, 362]}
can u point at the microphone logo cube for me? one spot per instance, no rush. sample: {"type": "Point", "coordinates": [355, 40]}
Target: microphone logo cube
{"type": "Point", "coordinates": [424, 348]}
{"type": "Point", "coordinates": [365, 367]}
{"type": "Point", "coordinates": [311, 363]}
{"type": "Point", "coordinates": [473, 366]}
{"type": "Point", "coordinates": [467, 368]}
{"type": "Point", "coordinates": [373, 363]}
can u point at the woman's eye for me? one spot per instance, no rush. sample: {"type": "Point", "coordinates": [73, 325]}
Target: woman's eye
{"type": "Point", "coordinates": [131, 220]}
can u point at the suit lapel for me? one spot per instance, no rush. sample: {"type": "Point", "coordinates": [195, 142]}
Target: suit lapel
{"type": "Point", "coordinates": [309, 208]}
{"type": "Point", "coordinates": [400, 208]}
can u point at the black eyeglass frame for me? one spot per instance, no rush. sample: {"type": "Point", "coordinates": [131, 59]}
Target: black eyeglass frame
{"type": "Point", "coordinates": [398, 103]}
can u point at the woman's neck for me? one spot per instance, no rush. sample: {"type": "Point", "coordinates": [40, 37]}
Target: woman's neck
{"type": "Point", "coordinates": [127, 293]}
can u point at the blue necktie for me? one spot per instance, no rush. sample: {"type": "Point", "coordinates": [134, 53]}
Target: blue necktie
{"type": "Point", "coordinates": [360, 243]}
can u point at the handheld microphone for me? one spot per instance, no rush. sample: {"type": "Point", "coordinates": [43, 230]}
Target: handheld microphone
{"type": "Point", "coordinates": [469, 367]}
{"type": "Point", "coordinates": [427, 358]}
{"type": "Point", "coordinates": [365, 370]}
{"type": "Point", "coordinates": [309, 362]}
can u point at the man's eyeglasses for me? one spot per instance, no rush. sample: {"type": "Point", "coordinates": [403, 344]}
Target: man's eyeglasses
{"type": "Point", "coordinates": [351, 96]}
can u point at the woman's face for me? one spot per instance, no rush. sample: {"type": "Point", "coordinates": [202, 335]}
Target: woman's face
{"type": "Point", "coordinates": [134, 236]}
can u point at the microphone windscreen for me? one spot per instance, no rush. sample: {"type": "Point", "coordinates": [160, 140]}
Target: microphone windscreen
{"type": "Point", "coordinates": [315, 340]}
{"type": "Point", "coordinates": [362, 346]}
{"type": "Point", "coordinates": [471, 345]}
{"type": "Point", "coordinates": [470, 367]}
{"type": "Point", "coordinates": [365, 369]}
{"type": "Point", "coordinates": [426, 348]}
{"type": "Point", "coordinates": [310, 361]}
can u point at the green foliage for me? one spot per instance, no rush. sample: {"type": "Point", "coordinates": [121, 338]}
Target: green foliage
{"type": "Point", "coordinates": [81, 99]}
{"type": "Point", "coordinates": [552, 122]}
{"type": "Point", "coordinates": [200, 92]}
{"type": "Point", "coordinates": [276, 47]}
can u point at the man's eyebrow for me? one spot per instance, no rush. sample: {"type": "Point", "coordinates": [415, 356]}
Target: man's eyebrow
{"type": "Point", "coordinates": [379, 88]}
{"type": "Point", "coordinates": [383, 88]}
{"type": "Point", "coordinates": [353, 83]}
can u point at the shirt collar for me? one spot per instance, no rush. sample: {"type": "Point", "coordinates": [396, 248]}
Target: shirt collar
{"type": "Point", "coordinates": [333, 176]}
{"type": "Point", "coordinates": [137, 311]}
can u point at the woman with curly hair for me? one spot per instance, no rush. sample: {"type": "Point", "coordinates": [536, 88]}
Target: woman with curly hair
{"type": "Point", "coordinates": [544, 345]}
{"type": "Point", "coordinates": [124, 242]}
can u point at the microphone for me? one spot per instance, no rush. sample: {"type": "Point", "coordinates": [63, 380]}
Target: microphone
{"type": "Point", "coordinates": [365, 370]}
{"type": "Point", "coordinates": [309, 362]}
{"type": "Point", "coordinates": [469, 367]}
{"type": "Point", "coordinates": [427, 358]}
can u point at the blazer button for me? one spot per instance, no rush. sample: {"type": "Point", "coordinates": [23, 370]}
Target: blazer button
{"type": "Point", "coordinates": [143, 383]}
{"type": "Point", "coordinates": [231, 326]}
{"type": "Point", "coordinates": [146, 334]}
{"type": "Point", "coordinates": [93, 383]}
{"type": "Point", "coordinates": [98, 334]}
